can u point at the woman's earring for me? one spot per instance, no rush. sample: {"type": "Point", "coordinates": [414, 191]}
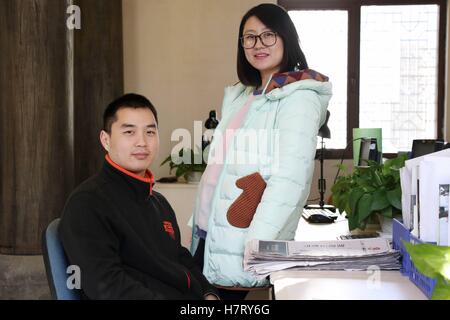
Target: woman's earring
{"type": "Point", "coordinates": [297, 67]}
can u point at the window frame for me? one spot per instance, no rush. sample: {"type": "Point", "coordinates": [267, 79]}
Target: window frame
{"type": "Point", "coordinates": [353, 7]}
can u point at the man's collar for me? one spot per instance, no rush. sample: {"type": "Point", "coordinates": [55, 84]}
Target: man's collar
{"type": "Point", "coordinates": [148, 179]}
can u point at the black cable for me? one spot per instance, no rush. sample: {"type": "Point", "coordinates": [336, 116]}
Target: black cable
{"type": "Point", "coordinates": [342, 158]}
{"type": "Point", "coordinates": [339, 168]}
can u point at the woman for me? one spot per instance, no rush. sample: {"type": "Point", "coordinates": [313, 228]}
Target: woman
{"type": "Point", "coordinates": [261, 160]}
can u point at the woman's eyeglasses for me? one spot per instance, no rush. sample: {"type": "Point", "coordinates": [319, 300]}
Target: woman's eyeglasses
{"type": "Point", "coordinates": [267, 38]}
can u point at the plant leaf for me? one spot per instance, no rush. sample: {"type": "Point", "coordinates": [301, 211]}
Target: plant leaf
{"type": "Point", "coordinates": [434, 262]}
{"type": "Point", "coordinates": [166, 160]}
{"type": "Point", "coordinates": [342, 167]}
{"type": "Point", "coordinates": [396, 163]}
{"type": "Point", "coordinates": [353, 199]}
{"type": "Point", "coordinates": [441, 290]}
{"type": "Point", "coordinates": [352, 222]}
{"type": "Point", "coordinates": [377, 179]}
{"type": "Point", "coordinates": [387, 212]}
{"type": "Point", "coordinates": [181, 170]}
{"type": "Point", "coordinates": [395, 197]}
{"type": "Point", "coordinates": [363, 209]}
{"type": "Point", "coordinates": [379, 201]}
{"type": "Point", "coordinates": [430, 259]}
{"type": "Point", "coordinates": [198, 167]}
{"type": "Point", "coordinates": [338, 200]}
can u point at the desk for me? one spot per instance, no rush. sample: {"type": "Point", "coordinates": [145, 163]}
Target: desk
{"type": "Point", "coordinates": [343, 285]}
{"type": "Point", "coordinates": [339, 285]}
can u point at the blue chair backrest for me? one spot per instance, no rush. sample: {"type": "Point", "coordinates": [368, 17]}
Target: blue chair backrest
{"type": "Point", "coordinates": [56, 264]}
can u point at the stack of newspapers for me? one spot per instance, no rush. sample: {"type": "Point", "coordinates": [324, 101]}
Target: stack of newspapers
{"type": "Point", "coordinates": [264, 257]}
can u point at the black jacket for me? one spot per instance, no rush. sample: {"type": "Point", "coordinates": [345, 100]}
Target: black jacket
{"type": "Point", "coordinates": [126, 240]}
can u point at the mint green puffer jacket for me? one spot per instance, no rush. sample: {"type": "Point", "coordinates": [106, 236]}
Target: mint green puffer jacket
{"type": "Point", "coordinates": [286, 121]}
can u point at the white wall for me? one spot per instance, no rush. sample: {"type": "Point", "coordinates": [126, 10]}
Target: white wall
{"type": "Point", "coordinates": [181, 54]}
{"type": "Point", "coordinates": [330, 171]}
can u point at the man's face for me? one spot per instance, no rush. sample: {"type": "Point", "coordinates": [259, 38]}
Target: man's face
{"type": "Point", "coordinates": [134, 141]}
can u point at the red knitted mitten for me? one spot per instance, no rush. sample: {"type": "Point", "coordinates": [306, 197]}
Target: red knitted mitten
{"type": "Point", "coordinates": [242, 210]}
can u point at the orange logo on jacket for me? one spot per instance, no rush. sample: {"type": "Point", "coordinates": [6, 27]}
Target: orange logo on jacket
{"type": "Point", "coordinates": [169, 229]}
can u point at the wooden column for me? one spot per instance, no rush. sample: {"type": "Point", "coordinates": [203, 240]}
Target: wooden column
{"type": "Point", "coordinates": [98, 78]}
{"type": "Point", "coordinates": [36, 172]}
{"type": "Point", "coordinates": [54, 84]}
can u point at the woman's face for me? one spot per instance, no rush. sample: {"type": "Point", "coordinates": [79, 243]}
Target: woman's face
{"type": "Point", "coordinates": [265, 58]}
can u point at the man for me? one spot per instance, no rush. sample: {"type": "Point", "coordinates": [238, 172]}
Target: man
{"type": "Point", "coordinates": [123, 235]}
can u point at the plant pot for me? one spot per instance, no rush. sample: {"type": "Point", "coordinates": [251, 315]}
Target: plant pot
{"type": "Point", "coordinates": [385, 223]}
{"type": "Point", "coordinates": [369, 230]}
{"type": "Point", "coordinates": [377, 224]}
{"type": "Point", "coordinates": [373, 226]}
{"type": "Point", "coordinates": [194, 177]}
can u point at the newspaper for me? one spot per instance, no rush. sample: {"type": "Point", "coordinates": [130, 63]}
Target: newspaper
{"type": "Point", "coordinates": [264, 257]}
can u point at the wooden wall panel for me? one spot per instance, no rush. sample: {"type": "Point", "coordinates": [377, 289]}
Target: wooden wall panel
{"type": "Point", "coordinates": [54, 84]}
{"type": "Point", "coordinates": [36, 174]}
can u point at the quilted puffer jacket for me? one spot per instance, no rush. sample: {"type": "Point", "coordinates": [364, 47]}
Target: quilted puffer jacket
{"type": "Point", "coordinates": [285, 118]}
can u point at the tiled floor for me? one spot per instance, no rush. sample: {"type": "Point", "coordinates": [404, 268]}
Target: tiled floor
{"type": "Point", "coordinates": [23, 278]}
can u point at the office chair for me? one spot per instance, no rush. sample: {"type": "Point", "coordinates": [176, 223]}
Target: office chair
{"type": "Point", "coordinates": [56, 264]}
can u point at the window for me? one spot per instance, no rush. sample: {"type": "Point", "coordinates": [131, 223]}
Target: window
{"type": "Point", "coordinates": [332, 34]}
{"type": "Point", "coordinates": [386, 62]}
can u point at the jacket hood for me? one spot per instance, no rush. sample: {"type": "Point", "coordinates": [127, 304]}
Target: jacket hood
{"type": "Point", "coordinates": [283, 84]}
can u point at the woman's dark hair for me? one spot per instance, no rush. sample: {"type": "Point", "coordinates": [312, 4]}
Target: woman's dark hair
{"type": "Point", "coordinates": [129, 100]}
{"type": "Point", "coordinates": [277, 19]}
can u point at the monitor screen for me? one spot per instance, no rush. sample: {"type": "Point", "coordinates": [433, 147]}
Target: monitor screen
{"type": "Point", "coordinates": [422, 147]}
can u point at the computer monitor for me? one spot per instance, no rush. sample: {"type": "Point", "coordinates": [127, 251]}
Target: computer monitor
{"type": "Point", "coordinates": [422, 147]}
{"type": "Point", "coordinates": [368, 151]}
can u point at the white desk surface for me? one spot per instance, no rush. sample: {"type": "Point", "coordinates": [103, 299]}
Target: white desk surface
{"type": "Point", "coordinates": [340, 285]}
{"type": "Point", "coordinates": [343, 285]}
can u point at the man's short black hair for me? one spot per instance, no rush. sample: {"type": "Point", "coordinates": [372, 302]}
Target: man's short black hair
{"type": "Point", "coordinates": [277, 19]}
{"type": "Point", "coordinates": [129, 100]}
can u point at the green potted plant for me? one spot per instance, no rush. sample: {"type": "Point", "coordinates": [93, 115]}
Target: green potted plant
{"type": "Point", "coordinates": [185, 165]}
{"type": "Point", "coordinates": [369, 193]}
{"type": "Point", "coordinates": [434, 262]}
